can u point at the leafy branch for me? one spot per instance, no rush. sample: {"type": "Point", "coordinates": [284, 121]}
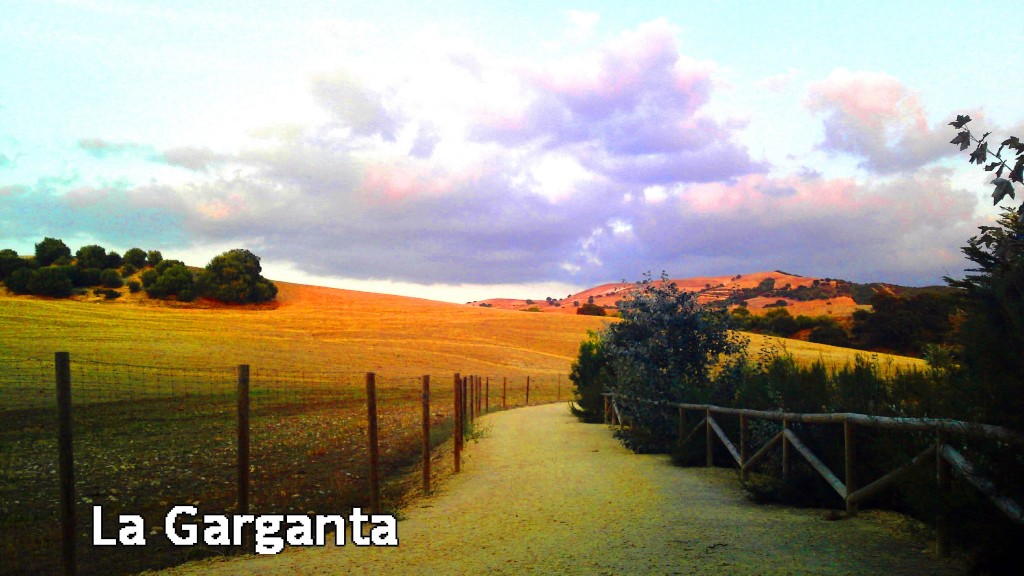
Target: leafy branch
{"type": "Point", "coordinates": [1004, 186]}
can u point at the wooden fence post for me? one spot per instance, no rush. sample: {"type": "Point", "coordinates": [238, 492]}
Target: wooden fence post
{"type": "Point", "coordinates": [943, 479]}
{"type": "Point", "coordinates": [426, 434]}
{"type": "Point", "coordinates": [851, 477]}
{"type": "Point", "coordinates": [744, 446]}
{"type": "Point", "coordinates": [527, 390]}
{"type": "Point", "coordinates": [458, 422]}
{"type": "Point", "coordinates": [709, 440]}
{"type": "Point", "coordinates": [465, 408]}
{"type": "Point", "coordinates": [785, 450]}
{"type": "Point", "coordinates": [243, 439]}
{"type": "Point", "coordinates": [479, 396]}
{"type": "Point", "coordinates": [65, 462]}
{"type": "Point", "coordinates": [487, 396]}
{"type": "Point", "coordinates": [371, 426]}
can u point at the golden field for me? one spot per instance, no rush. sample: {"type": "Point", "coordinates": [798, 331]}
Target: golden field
{"type": "Point", "coordinates": [324, 329]}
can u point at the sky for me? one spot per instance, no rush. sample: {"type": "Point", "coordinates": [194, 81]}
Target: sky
{"type": "Point", "coordinates": [466, 150]}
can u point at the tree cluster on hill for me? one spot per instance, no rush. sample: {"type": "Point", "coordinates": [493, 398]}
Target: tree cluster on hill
{"type": "Point", "coordinates": [52, 271]}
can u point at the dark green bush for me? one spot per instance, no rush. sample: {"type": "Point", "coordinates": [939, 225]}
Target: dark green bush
{"type": "Point", "coordinates": [50, 281]}
{"type": "Point", "coordinates": [127, 270]}
{"type": "Point", "coordinates": [154, 257]}
{"type": "Point", "coordinates": [175, 280]}
{"type": "Point", "coordinates": [136, 257]}
{"type": "Point", "coordinates": [9, 262]}
{"type": "Point", "coordinates": [18, 281]}
{"type": "Point", "coordinates": [111, 279]}
{"type": "Point", "coordinates": [91, 256]}
{"type": "Point", "coordinates": [149, 278]}
{"type": "Point", "coordinates": [590, 309]}
{"type": "Point", "coordinates": [591, 373]}
{"type": "Point", "coordinates": [134, 286]}
{"type": "Point", "coordinates": [234, 276]}
{"type": "Point", "coordinates": [49, 250]}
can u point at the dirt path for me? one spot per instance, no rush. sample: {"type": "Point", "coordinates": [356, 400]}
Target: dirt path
{"type": "Point", "coordinates": [544, 494]}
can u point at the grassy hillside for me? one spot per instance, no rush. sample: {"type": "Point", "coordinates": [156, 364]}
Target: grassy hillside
{"type": "Point", "coordinates": [319, 327]}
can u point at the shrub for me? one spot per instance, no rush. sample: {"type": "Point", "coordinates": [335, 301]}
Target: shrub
{"type": "Point", "coordinates": [830, 334]}
{"type": "Point", "coordinates": [50, 281]}
{"type": "Point", "coordinates": [665, 349]}
{"type": "Point", "coordinates": [9, 262]}
{"type": "Point", "coordinates": [127, 270]}
{"type": "Point", "coordinates": [589, 309]}
{"type": "Point", "coordinates": [175, 280]}
{"type": "Point", "coordinates": [49, 250]}
{"type": "Point", "coordinates": [154, 257]}
{"type": "Point", "coordinates": [91, 256]}
{"type": "Point", "coordinates": [234, 276]}
{"type": "Point", "coordinates": [149, 278]}
{"type": "Point", "coordinates": [163, 265]}
{"type": "Point", "coordinates": [18, 281]}
{"type": "Point", "coordinates": [136, 257]}
{"type": "Point", "coordinates": [134, 286]}
{"type": "Point", "coordinates": [82, 277]}
{"type": "Point", "coordinates": [111, 279]}
{"type": "Point", "coordinates": [114, 260]}
{"type": "Point", "coordinates": [591, 374]}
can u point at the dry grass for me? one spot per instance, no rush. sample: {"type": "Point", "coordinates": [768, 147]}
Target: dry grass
{"type": "Point", "coordinates": [833, 356]}
{"type": "Point", "coordinates": [321, 327]}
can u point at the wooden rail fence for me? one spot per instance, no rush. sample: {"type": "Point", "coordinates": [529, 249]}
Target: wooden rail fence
{"type": "Point", "coordinates": [941, 454]}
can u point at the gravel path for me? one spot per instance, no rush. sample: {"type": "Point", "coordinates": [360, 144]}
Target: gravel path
{"type": "Point", "coordinates": [541, 493]}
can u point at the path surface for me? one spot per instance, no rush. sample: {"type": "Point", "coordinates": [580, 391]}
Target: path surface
{"type": "Point", "coordinates": [541, 493]}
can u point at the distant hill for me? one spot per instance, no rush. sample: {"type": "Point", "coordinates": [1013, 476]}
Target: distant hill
{"type": "Point", "coordinates": [760, 291]}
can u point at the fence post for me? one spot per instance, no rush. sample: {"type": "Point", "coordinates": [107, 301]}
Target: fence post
{"type": "Point", "coordinates": [479, 395]}
{"type": "Point", "coordinates": [504, 385]}
{"type": "Point", "coordinates": [785, 450]}
{"type": "Point", "coordinates": [472, 398]}
{"type": "Point", "coordinates": [458, 422]}
{"type": "Point", "coordinates": [371, 427]}
{"type": "Point", "coordinates": [943, 479]}
{"type": "Point", "coordinates": [243, 439]}
{"type": "Point", "coordinates": [465, 408]}
{"type": "Point", "coordinates": [426, 434]}
{"type": "Point", "coordinates": [65, 462]}
{"type": "Point", "coordinates": [709, 441]}
{"type": "Point", "coordinates": [851, 477]}
{"type": "Point", "coordinates": [744, 446]}
{"type": "Point", "coordinates": [487, 396]}
{"type": "Point", "coordinates": [527, 390]}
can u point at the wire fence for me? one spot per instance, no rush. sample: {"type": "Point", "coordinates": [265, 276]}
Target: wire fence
{"type": "Point", "coordinates": [147, 438]}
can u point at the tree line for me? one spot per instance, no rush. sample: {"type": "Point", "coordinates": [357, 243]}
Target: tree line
{"type": "Point", "coordinates": [232, 277]}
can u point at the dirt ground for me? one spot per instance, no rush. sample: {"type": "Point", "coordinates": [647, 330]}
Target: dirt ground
{"type": "Point", "coordinates": [541, 493]}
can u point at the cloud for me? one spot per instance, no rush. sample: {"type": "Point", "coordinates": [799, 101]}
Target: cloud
{"type": "Point", "coordinates": [459, 167]}
{"type": "Point", "coordinates": [5, 161]}
{"type": "Point", "coordinates": [191, 158]}
{"type": "Point", "coordinates": [99, 148]}
{"type": "Point", "coordinates": [874, 116]}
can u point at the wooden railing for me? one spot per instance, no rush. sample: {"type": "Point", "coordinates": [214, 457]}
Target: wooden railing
{"type": "Point", "coordinates": [946, 458]}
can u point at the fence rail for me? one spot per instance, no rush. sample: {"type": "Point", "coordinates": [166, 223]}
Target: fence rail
{"type": "Point", "coordinates": [945, 457]}
{"type": "Point", "coordinates": [139, 439]}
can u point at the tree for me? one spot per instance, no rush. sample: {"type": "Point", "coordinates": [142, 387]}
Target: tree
{"type": "Point", "coordinates": [49, 250]}
{"type": "Point", "coordinates": [591, 374]}
{"type": "Point", "coordinates": [234, 276]}
{"type": "Point", "coordinates": [154, 257]}
{"type": "Point", "coordinates": [173, 280]}
{"type": "Point", "coordinates": [136, 257]}
{"type": "Point", "coordinates": [91, 256]}
{"type": "Point", "coordinates": [990, 387]}
{"type": "Point", "coordinates": [665, 349]}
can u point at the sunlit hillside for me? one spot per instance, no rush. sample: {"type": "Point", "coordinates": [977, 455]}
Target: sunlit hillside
{"type": "Point", "coordinates": [324, 328]}
{"type": "Point", "coordinates": [310, 326]}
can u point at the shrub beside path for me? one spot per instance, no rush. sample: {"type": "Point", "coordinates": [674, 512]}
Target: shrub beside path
{"type": "Point", "coordinates": [541, 493]}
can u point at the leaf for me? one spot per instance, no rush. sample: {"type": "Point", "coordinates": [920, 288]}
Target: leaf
{"type": "Point", "coordinates": [991, 166]}
{"type": "Point", "coordinates": [980, 154]}
{"type": "Point", "coordinates": [1017, 174]}
{"type": "Point", "coordinates": [961, 120]}
{"type": "Point", "coordinates": [1003, 188]}
{"type": "Point", "coordinates": [963, 139]}
{"type": "Point", "coordinates": [1015, 143]}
